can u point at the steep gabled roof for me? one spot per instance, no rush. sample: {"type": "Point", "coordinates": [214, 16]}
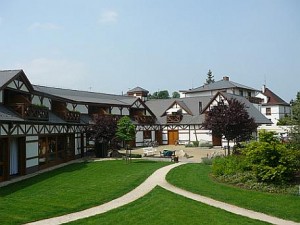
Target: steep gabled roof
{"type": "Point", "coordinates": [219, 85]}
{"type": "Point", "coordinates": [253, 112]}
{"type": "Point", "coordinates": [182, 104]}
{"type": "Point", "coordinates": [273, 99]}
{"type": "Point", "coordinates": [160, 106]}
{"type": "Point", "coordinates": [7, 76]}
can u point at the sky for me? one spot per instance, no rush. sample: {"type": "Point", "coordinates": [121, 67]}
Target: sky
{"type": "Point", "coordinates": [112, 46]}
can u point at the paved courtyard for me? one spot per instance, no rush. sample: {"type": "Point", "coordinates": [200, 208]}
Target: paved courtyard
{"type": "Point", "coordinates": [194, 153]}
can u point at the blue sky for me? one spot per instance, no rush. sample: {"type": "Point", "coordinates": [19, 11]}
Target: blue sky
{"type": "Point", "coordinates": [115, 45]}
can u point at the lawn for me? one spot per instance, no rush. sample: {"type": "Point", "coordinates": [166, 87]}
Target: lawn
{"type": "Point", "coordinates": [195, 178]}
{"type": "Point", "coordinates": [162, 207]}
{"type": "Point", "coordinates": [71, 188]}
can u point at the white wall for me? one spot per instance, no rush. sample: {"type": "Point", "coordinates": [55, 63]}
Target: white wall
{"type": "Point", "coordinates": [32, 150]}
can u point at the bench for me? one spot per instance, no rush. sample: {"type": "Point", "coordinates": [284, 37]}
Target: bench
{"type": "Point", "coordinates": [149, 151]}
{"type": "Point", "coordinates": [181, 142]}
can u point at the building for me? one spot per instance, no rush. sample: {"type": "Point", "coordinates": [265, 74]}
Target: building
{"type": "Point", "coordinates": [44, 126]}
{"type": "Point", "coordinates": [272, 106]}
{"type": "Point", "coordinates": [181, 119]}
{"type": "Point", "coordinates": [224, 85]}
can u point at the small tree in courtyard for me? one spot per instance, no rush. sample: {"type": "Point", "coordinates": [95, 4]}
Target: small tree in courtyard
{"type": "Point", "coordinates": [230, 121]}
{"type": "Point", "coordinates": [125, 131]}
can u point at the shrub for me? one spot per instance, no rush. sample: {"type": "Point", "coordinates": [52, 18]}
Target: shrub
{"type": "Point", "coordinates": [196, 143]}
{"type": "Point", "coordinates": [207, 161]}
{"type": "Point", "coordinates": [229, 165]}
{"type": "Point", "coordinates": [272, 162]}
{"type": "Point", "coordinates": [206, 145]}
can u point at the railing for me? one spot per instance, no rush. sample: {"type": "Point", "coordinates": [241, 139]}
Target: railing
{"type": "Point", "coordinates": [174, 118]}
{"type": "Point", "coordinates": [101, 116]}
{"type": "Point", "coordinates": [255, 100]}
{"type": "Point", "coordinates": [31, 112]}
{"type": "Point", "coordinates": [143, 119]}
{"type": "Point", "coordinates": [71, 116]}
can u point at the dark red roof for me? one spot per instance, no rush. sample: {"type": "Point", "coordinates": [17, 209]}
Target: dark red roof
{"type": "Point", "coordinates": [273, 99]}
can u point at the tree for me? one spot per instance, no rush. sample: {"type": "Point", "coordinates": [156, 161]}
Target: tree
{"type": "Point", "coordinates": [295, 131]}
{"type": "Point", "coordinates": [125, 131]}
{"type": "Point", "coordinates": [160, 95]}
{"type": "Point", "coordinates": [102, 131]}
{"type": "Point", "coordinates": [210, 77]}
{"type": "Point", "coordinates": [230, 121]}
{"type": "Point", "coordinates": [175, 94]}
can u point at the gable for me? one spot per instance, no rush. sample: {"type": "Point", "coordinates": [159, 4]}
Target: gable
{"type": "Point", "coordinates": [15, 79]}
{"type": "Point", "coordinates": [178, 107]}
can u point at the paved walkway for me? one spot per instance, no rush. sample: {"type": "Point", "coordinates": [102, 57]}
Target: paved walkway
{"type": "Point", "coordinates": [158, 178]}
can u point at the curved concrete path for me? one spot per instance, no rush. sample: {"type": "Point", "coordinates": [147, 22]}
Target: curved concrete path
{"type": "Point", "coordinates": [158, 178]}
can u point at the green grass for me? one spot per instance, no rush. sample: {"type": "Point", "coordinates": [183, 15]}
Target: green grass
{"type": "Point", "coordinates": [195, 178]}
{"type": "Point", "coordinates": [71, 188]}
{"type": "Point", "coordinates": [162, 207]}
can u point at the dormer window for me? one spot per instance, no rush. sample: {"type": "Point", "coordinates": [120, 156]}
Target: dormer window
{"type": "Point", "coordinates": [200, 107]}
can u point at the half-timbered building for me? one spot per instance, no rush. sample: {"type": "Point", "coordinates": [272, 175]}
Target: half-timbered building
{"type": "Point", "coordinates": [45, 126]}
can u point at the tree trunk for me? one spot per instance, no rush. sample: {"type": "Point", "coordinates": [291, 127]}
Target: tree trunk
{"type": "Point", "coordinates": [228, 147]}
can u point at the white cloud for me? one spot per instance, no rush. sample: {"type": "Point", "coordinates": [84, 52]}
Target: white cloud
{"type": "Point", "coordinates": [44, 26]}
{"type": "Point", "coordinates": [109, 16]}
{"type": "Point", "coordinates": [56, 73]}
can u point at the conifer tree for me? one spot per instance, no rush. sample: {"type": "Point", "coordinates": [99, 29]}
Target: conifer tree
{"type": "Point", "coordinates": [210, 77]}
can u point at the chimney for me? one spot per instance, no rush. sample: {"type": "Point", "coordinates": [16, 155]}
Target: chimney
{"type": "Point", "coordinates": [263, 88]}
{"type": "Point", "coordinates": [226, 78]}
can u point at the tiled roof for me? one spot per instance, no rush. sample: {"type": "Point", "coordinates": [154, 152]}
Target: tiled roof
{"type": "Point", "coordinates": [219, 85]}
{"type": "Point", "coordinates": [7, 76]}
{"type": "Point", "coordinates": [8, 115]}
{"type": "Point", "coordinates": [159, 107]}
{"type": "Point", "coordinates": [85, 96]}
{"type": "Point", "coordinates": [253, 112]}
{"type": "Point", "coordinates": [273, 99]}
{"type": "Point", "coordinates": [138, 89]}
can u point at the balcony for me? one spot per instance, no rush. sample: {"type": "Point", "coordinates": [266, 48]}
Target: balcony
{"type": "Point", "coordinates": [70, 116]}
{"type": "Point", "coordinates": [255, 100]}
{"type": "Point", "coordinates": [31, 112]}
{"type": "Point", "coordinates": [97, 116]}
{"type": "Point", "coordinates": [143, 119]}
{"type": "Point", "coordinates": [174, 118]}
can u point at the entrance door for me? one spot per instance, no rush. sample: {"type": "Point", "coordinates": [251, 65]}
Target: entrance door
{"type": "Point", "coordinates": [3, 159]}
{"type": "Point", "coordinates": [173, 136]}
{"type": "Point", "coordinates": [158, 136]}
{"type": "Point", "coordinates": [217, 141]}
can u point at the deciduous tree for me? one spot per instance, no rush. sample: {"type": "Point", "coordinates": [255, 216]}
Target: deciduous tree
{"type": "Point", "coordinates": [230, 121]}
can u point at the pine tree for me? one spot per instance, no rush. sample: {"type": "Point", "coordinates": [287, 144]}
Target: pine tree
{"type": "Point", "coordinates": [210, 77]}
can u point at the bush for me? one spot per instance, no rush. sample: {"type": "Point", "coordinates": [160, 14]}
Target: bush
{"type": "Point", "coordinates": [196, 143]}
{"type": "Point", "coordinates": [206, 145]}
{"type": "Point", "coordinates": [207, 161]}
{"type": "Point", "coordinates": [229, 165]}
{"type": "Point", "coordinates": [272, 162]}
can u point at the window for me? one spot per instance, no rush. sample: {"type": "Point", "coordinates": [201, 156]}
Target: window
{"type": "Point", "coordinates": [241, 93]}
{"type": "Point", "coordinates": [249, 93]}
{"type": "Point", "coordinates": [147, 134]}
{"type": "Point", "coordinates": [268, 111]}
{"type": "Point", "coordinates": [200, 107]}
